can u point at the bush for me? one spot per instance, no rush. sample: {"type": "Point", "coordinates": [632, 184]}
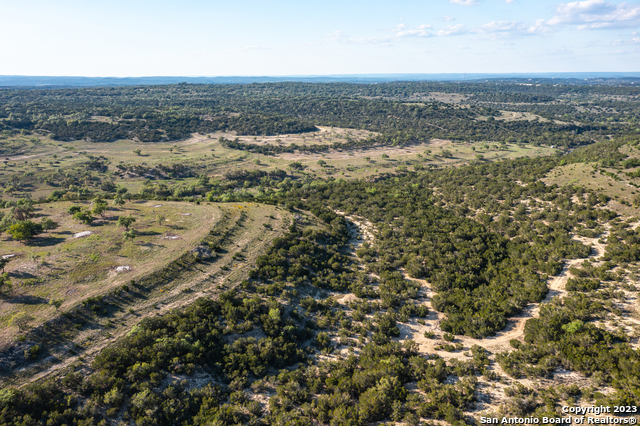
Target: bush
{"type": "Point", "coordinates": [323, 340]}
{"type": "Point", "coordinates": [24, 230]}
{"type": "Point", "coordinates": [582, 284]}
{"type": "Point", "coordinates": [32, 352]}
{"type": "Point", "coordinates": [5, 282]}
{"type": "Point", "coordinates": [21, 320]}
{"type": "Point", "coordinates": [83, 216]}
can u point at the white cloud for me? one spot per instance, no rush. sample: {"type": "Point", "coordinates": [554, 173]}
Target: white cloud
{"type": "Point", "coordinates": [499, 29]}
{"type": "Point", "coordinates": [464, 2]}
{"type": "Point", "coordinates": [619, 42]}
{"type": "Point", "coordinates": [420, 31]}
{"type": "Point", "coordinates": [538, 27]}
{"type": "Point", "coordinates": [597, 14]}
{"type": "Point", "coordinates": [586, 14]}
{"type": "Point", "coordinates": [337, 36]}
{"type": "Point", "coordinates": [398, 32]}
{"type": "Point", "coordinates": [452, 30]}
{"type": "Point", "coordinates": [341, 37]}
{"type": "Point", "coordinates": [502, 26]}
{"type": "Point", "coordinates": [448, 18]}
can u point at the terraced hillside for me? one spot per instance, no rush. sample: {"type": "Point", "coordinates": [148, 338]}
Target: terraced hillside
{"type": "Point", "coordinates": [104, 301]}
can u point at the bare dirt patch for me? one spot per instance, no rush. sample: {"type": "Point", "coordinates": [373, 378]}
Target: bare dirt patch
{"type": "Point", "coordinates": [323, 136]}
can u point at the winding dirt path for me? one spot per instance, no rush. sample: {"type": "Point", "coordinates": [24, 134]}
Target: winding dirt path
{"type": "Point", "coordinates": [515, 325]}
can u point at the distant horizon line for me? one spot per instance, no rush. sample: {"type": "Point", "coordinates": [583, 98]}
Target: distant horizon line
{"type": "Point", "coordinates": [327, 75]}
{"type": "Point", "coordinates": [44, 80]}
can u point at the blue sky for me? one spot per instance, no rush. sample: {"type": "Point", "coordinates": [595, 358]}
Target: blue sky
{"type": "Point", "coordinates": [282, 37]}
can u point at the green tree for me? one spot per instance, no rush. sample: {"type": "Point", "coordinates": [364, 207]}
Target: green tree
{"type": "Point", "coordinates": [48, 224]}
{"type": "Point", "coordinates": [573, 326]}
{"type": "Point", "coordinates": [21, 320]}
{"type": "Point", "coordinates": [118, 201]}
{"type": "Point", "coordinates": [126, 221]}
{"type": "Point", "coordinates": [129, 235]}
{"type": "Point", "coordinates": [74, 209]}
{"type": "Point", "coordinates": [5, 282]}
{"type": "Point", "coordinates": [323, 340]}
{"type": "Point", "coordinates": [3, 262]}
{"type": "Point", "coordinates": [24, 230]}
{"type": "Point", "coordinates": [6, 221]}
{"type": "Point", "coordinates": [297, 165]}
{"type": "Point", "coordinates": [99, 207]}
{"type": "Point", "coordinates": [24, 210]}
{"type": "Point", "coordinates": [56, 303]}
{"type": "Point", "coordinates": [377, 402]}
{"type": "Point", "coordinates": [83, 216]}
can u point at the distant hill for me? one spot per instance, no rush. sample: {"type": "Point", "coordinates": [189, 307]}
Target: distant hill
{"type": "Point", "coordinates": [567, 78]}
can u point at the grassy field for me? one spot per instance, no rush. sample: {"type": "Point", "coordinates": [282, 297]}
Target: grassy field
{"type": "Point", "coordinates": [615, 183]}
{"type": "Point", "coordinates": [62, 165]}
{"type": "Point", "coordinates": [441, 153]}
{"type": "Point", "coordinates": [62, 265]}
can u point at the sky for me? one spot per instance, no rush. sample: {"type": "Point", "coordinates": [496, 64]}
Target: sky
{"type": "Point", "coordinates": [132, 38]}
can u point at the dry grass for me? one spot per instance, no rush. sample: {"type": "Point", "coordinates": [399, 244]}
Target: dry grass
{"type": "Point", "coordinates": [585, 175]}
{"type": "Point", "coordinates": [58, 266]}
{"type": "Point", "coordinates": [205, 155]}
{"type": "Point", "coordinates": [244, 222]}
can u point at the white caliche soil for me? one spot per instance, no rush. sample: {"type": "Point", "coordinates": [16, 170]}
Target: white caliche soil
{"type": "Point", "coordinates": [82, 234]}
